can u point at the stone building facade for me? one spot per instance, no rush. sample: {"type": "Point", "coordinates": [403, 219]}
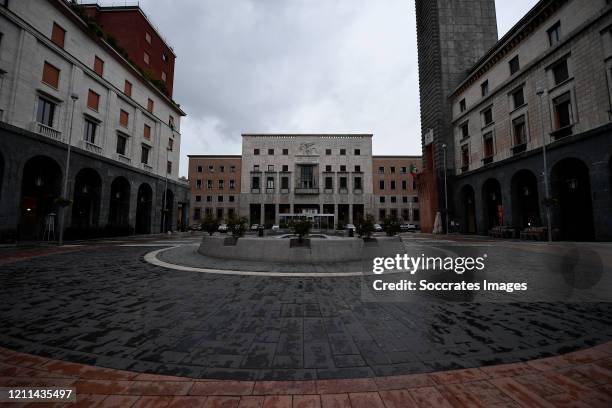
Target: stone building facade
{"type": "Point", "coordinates": [61, 84]}
{"type": "Point", "coordinates": [545, 83]}
{"type": "Point", "coordinates": [282, 174]}
{"type": "Point", "coordinates": [215, 185]}
{"type": "Point", "coordinates": [451, 36]}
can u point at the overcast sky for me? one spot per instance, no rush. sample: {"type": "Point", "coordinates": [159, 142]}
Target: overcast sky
{"type": "Point", "coordinates": [296, 66]}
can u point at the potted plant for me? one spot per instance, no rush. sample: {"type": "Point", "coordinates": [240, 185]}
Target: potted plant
{"type": "Point", "coordinates": [392, 225]}
{"type": "Point", "coordinates": [210, 224]}
{"type": "Point", "coordinates": [300, 227]}
{"type": "Point", "coordinates": [365, 227]}
{"type": "Point", "coordinates": [236, 227]}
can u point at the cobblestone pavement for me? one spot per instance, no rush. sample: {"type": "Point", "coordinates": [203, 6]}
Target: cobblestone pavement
{"type": "Point", "coordinates": [105, 306]}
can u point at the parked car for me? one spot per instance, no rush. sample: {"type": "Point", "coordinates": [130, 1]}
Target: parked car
{"type": "Point", "coordinates": [254, 227]}
{"type": "Point", "coordinates": [196, 227]}
{"type": "Point", "coordinates": [222, 228]}
{"type": "Point", "coordinates": [350, 227]}
{"type": "Point", "coordinates": [378, 228]}
{"type": "Point", "coordinates": [408, 227]}
{"type": "Point", "coordinates": [275, 228]}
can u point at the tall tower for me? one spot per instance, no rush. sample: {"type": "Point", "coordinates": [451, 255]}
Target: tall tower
{"type": "Point", "coordinates": [451, 36]}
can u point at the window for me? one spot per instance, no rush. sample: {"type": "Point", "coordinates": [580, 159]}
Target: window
{"type": "Point", "coordinates": [357, 183]}
{"type": "Point", "coordinates": [169, 167]}
{"type": "Point", "coordinates": [209, 184]}
{"type": "Point", "coordinates": [209, 199]}
{"type": "Point", "coordinates": [231, 198]}
{"type": "Point", "coordinates": [127, 88]}
{"type": "Point", "coordinates": [171, 121]}
{"type": "Point", "coordinates": [171, 144]}
{"type": "Point", "coordinates": [256, 167]}
{"type": "Point", "coordinates": [329, 184]}
{"type": "Point", "coordinates": [211, 168]}
{"type": "Point", "coordinates": [554, 33]}
{"type": "Point", "coordinates": [199, 169]}
{"type": "Point", "coordinates": [560, 72]}
{"type": "Point", "coordinates": [255, 183]}
{"type": "Point", "coordinates": [285, 152]}
{"type": "Point", "coordinates": [343, 183]}
{"type": "Point", "coordinates": [146, 58]}
{"type": "Point", "coordinates": [415, 214]}
{"type": "Point", "coordinates": [285, 183]}
{"type": "Point", "coordinates": [232, 184]}
{"type": "Point", "coordinates": [220, 200]}
{"type": "Point", "coordinates": [405, 200]}
{"type": "Point", "coordinates": [462, 106]}
{"type": "Point", "coordinates": [488, 144]}
{"type": "Point", "coordinates": [93, 100]}
{"type": "Point", "coordinates": [98, 65]}
{"type": "Point", "coordinates": [343, 168]}
{"type": "Point", "coordinates": [392, 169]}
{"type": "Point", "coordinates": [197, 213]}
{"type": "Point", "coordinates": [198, 184]}
{"type": "Point", "coordinates": [221, 169]}
{"type": "Point", "coordinates": [144, 154]}
{"type": "Point", "coordinates": [404, 185]}
{"type": "Point", "coordinates": [520, 130]}
{"type": "Point", "coordinates": [147, 37]}
{"type": "Point", "coordinates": [198, 198]}
{"type": "Point", "coordinates": [46, 112]}
{"type": "Point", "coordinates": [357, 152]}
{"type": "Point", "coordinates": [393, 199]}
{"type": "Point", "coordinates": [146, 132]}
{"type": "Point", "coordinates": [270, 167]}
{"type": "Point", "coordinates": [465, 156]}
{"type": "Point", "coordinates": [518, 97]}
{"type": "Point", "coordinates": [150, 105]}
{"type": "Point", "coordinates": [232, 169]}
{"type": "Point", "coordinates": [270, 183]}
{"type": "Point", "coordinates": [164, 57]}
{"type": "Point", "coordinates": [271, 152]}
{"type": "Point", "coordinates": [342, 152]}
{"type": "Point", "coordinates": [357, 169]}
{"type": "Point", "coordinates": [121, 144]}
{"type": "Point", "coordinates": [51, 75]}
{"type": "Point", "coordinates": [163, 76]}
{"type": "Point", "coordinates": [221, 184]}
{"type": "Point", "coordinates": [465, 131]}
{"type": "Point", "coordinates": [256, 152]}
{"type": "Point", "coordinates": [58, 35]}
{"type": "Point", "coordinates": [484, 88]}
{"type": "Point", "coordinates": [487, 116]}
{"type": "Point", "coordinates": [382, 200]}
{"type": "Point", "coordinates": [392, 184]}
{"type": "Point", "coordinates": [514, 65]}
{"type": "Point", "coordinates": [403, 169]}
{"type": "Point", "coordinates": [381, 184]}
{"type": "Point", "coordinates": [328, 152]}
{"type": "Point", "coordinates": [563, 110]}
{"type": "Point", "coordinates": [90, 131]}
{"type": "Point", "coordinates": [124, 118]}
{"type": "Point", "coordinates": [285, 167]}
{"type": "Point", "coordinates": [381, 170]}
{"type": "Point", "coordinates": [328, 167]}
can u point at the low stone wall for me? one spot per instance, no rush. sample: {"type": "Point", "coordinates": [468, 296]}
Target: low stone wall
{"type": "Point", "coordinates": [278, 249]}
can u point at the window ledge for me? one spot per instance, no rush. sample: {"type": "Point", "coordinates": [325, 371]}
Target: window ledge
{"type": "Point", "coordinates": [519, 148]}
{"type": "Point", "coordinates": [465, 168]}
{"type": "Point", "coordinates": [560, 84]}
{"type": "Point", "coordinates": [562, 132]}
{"type": "Point", "coordinates": [487, 160]}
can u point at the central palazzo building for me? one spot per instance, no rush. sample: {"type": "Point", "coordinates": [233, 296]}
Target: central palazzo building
{"type": "Point", "coordinates": [277, 174]}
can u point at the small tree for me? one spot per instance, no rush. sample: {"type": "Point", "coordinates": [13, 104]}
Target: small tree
{"type": "Point", "coordinates": [300, 227]}
{"type": "Point", "coordinates": [365, 227]}
{"type": "Point", "coordinates": [236, 225]}
{"type": "Point", "coordinates": [210, 224]}
{"type": "Point", "coordinates": [392, 225]}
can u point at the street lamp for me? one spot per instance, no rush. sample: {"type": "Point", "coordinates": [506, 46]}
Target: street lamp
{"type": "Point", "coordinates": [540, 92]}
{"type": "Point", "coordinates": [62, 212]}
{"type": "Point", "coordinates": [445, 189]}
{"type": "Point", "coordinates": [165, 192]}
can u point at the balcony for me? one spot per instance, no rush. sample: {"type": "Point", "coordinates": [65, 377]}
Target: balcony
{"type": "Point", "coordinates": [562, 132]}
{"type": "Point", "coordinates": [123, 159]}
{"type": "Point", "coordinates": [47, 131]}
{"type": "Point", "coordinates": [90, 147]}
{"type": "Point", "coordinates": [487, 160]}
{"type": "Point", "coordinates": [306, 187]}
{"type": "Point", "coordinates": [519, 148]}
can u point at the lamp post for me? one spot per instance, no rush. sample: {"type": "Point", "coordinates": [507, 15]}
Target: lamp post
{"type": "Point", "coordinates": [165, 192]}
{"type": "Point", "coordinates": [540, 92]}
{"type": "Point", "coordinates": [62, 213]}
{"type": "Point", "coordinates": [445, 189]}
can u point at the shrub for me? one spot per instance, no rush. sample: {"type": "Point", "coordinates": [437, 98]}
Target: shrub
{"type": "Point", "coordinates": [392, 225]}
{"type": "Point", "coordinates": [236, 225]}
{"type": "Point", "coordinates": [365, 227]}
{"type": "Point", "coordinates": [300, 227]}
{"type": "Point", "coordinates": [210, 224]}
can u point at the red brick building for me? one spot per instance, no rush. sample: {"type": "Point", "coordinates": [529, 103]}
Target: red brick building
{"type": "Point", "coordinates": [134, 32]}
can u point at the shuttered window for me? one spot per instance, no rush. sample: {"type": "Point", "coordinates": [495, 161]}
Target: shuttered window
{"type": "Point", "coordinates": [58, 35]}
{"type": "Point", "coordinates": [98, 66]}
{"type": "Point", "coordinates": [51, 75]}
{"type": "Point", "coordinates": [147, 132]}
{"type": "Point", "coordinates": [124, 118]}
{"type": "Point", "coordinates": [93, 100]}
{"type": "Point", "coordinates": [127, 88]}
{"type": "Point", "coordinates": [150, 105]}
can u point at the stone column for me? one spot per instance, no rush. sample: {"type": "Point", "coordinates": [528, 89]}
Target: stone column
{"type": "Point", "coordinates": [105, 198]}
{"type": "Point", "coordinates": [133, 204]}
{"type": "Point", "coordinates": [262, 210]}
{"type": "Point", "coordinates": [276, 217]}
{"type": "Point", "coordinates": [335, 215]}
{"type": "Point", "coordinates": [350, 213]}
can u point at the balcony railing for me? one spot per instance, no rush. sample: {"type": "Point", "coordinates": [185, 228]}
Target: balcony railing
{"type": "Point", "coordinates": [306, 187]}
{"type": "Point", "coordinates": [90, 147]}
{"type": "Point", "coordinates": [48, 131]}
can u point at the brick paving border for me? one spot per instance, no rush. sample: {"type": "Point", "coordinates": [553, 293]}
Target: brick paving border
{"type": "Point", "coordinates": [579, 379]}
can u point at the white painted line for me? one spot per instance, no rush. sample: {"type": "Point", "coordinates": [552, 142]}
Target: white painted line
{"type": "Point", "coordinates": [144, 245]}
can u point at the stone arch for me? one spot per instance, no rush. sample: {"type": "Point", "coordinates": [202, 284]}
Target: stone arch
{"type": "Point", "coordinates": [144, 202]}
{"type": "Point", "coordinates": [468, 205]}
{"type": "Point", "coordinates": [87, 197]}
{"type": "Point", "coordinates": [119, 206]}
{"type": "Point", "coordinates": [493, 210]}
{"type": "Point", "coordinates": [525, 200]}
